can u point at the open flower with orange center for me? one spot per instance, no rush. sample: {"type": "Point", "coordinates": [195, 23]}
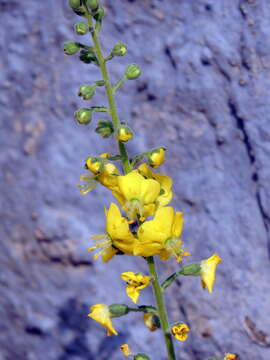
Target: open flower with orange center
{"type": "Point", "coordinates": [161, 236]}
{"type": "Point", "coordinates": [137, 195]}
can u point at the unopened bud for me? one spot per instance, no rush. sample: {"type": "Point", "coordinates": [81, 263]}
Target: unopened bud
{"type": "Point", "coordinates": [124, 133]}
{"type": "Point", "coordinates": [117, 310]}
{"type": "Point", "coordinates": [133, 72]}
{"type": "Point", "coordinates": [81, 11]}
{"type": "Point", "coordinates": [71, 47]}
{"type": "Point", "coordinates": [81, 28]}
{"type": "Point", "coordinates": [92, 4]}
{"type": "Point", "coordinates": [141, 356]}
{"type": "Point", "coordinates": [74, 4]}
{"type": "Point", "coordinates": [99, 14]}
{"type": "Point", "coordinates": [87, 91]}
{"type": "Point", "coordinates": [119, 49]}
{"type": "Point", "coordinates": [94, 164]}
{"type": "Point", "coordinates": [104, 128]}
{"type": "Point", "coordinates": [83, 116]}
{"type": "Point", "coordinates": [156, 157]}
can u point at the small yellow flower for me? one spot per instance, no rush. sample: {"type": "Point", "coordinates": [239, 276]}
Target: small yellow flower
{"type": "Point", "coordinates": [160, 236]}
{"type": "Point", "coordinates": [208, 270]}
{"type": "Point", "coordinates": [117, 237]}
{"type": "Point", "coordinates": [156, 157]}
{"type": "Point", "coordinates": [229, 356]}
{"type": "Point", "coordinates": [151, 321]}
{"type": "Point", "coordinates": [101, 314]}
{"type": "Point", "coordinates": [108, 177]}
{"type": "Point", "coordinates": [94, 164]}
{"type": "Point", "coordinates": [165, 182]}
{"type": "Point", "coordinates": [180, 331]}
{"type": "Point", "coordinates": [137, 195]}
{"type": "Point", "coordinates": [135, 283]}
{"type": "Point", "coordinates": [124, 133]}
{"type": "Point", "coordinates": [104, 172]}
{"type": "Point", "coordinates": [125, 350]}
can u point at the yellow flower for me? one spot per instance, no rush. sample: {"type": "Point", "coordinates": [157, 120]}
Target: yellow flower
{"type": "Point", "coordinates": [137, 195]}
{"type": "Point", "coordinates": [101, 314]}
{"type": "Point", "coordinates": [151, 321]}
{"type": "Point", "coordinates": [125, 350]}
{"type": "Point", "coordinates": [180, 331]}
{"type": "Point", "coordinates": [160, 236]}
{"type": "Point", "coordinates": [156, 157]}
{"type": "Point", "coordinates": [108, 177]}
{"type": "Point", "coordinates": [117, 237]}
{"type": "Point", "coordinates": [94, 164]}
{"type": "Point", "coordinates": [165, 182]}
{"type": "Point", "coordinates": [208, 270]}
{"type": "Point", "coordinates": [105, 174]}
{"type": "Point", "coordinates": [229, 356]}
{"type": "Point", "coordinates": [124, 133]}
{"type": "Point", "coordinates": [135, 283]}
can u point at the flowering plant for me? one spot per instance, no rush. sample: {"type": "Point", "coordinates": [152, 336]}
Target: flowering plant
{"type": "Point", "coordinates": [140, 222]}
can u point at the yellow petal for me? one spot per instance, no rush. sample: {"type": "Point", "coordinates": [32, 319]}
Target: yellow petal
{"type": "Point", "coordinates": [130, 185]}
{"type": "Point", "coordinates": [146, 248]}
{"type": "Point", "coordinates": [118, 229]}
{"type": "Point", "coordinates": [101, 314]}
{"type": "Point", "coordinates": [133, 293]}
{"type": "Point", "coordinates": [208, 271]}
{"type": "Point", "coordinates": [108, 254]}
{"type": "Point", "coordinates": [178, 223]}
{"type": "Point", "coordinates": [150, 190]}
{"type": "Point", "coordinates": [125, 350]}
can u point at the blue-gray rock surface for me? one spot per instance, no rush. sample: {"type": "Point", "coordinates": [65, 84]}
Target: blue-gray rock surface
{"type": "Point", "coordinates": [203, 94]}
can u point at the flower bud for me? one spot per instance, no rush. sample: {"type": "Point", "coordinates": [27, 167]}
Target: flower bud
{"type": "Point", "coordinates": [74, 4]}
{"type": "Point", "coordinates": [83, 116]}
{"type": "Point", "coordinates": [88, 56]}
{"type": "Point", "coordinates": [92, 4]}
{"type": "Point", "coordinates": [104, 128]}
{"type": "Point", "coordinates": [133, 72]}
{"type": "Point", "coordinates": [141, 356]}
{"type": "Point", "coordinates": [99, 14]}
{"type": "Point", "coordinates": [124, 133]}
{"type": "Point", "coordinates": [94, 164]}
{"type": "Point", "coordinates": [81, 11]}
{"type": "Point", "coordinates": [156, 157]}
{"type": "Point", "coordinates": [87, 91]}
{"type": "Point", "coordinates": [119, 49]}
{"type": "Point", "coordinates": [117, 310]}
{"type": "Point", "coordinates": [151, 321]}
{"type": "Point", "coordinates": [71, 47]}
{"type": "Point", "coordinates": [81, 28]}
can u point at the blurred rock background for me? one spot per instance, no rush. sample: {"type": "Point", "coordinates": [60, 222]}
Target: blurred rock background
{"type": "Point", "coordinates": [204, 94]}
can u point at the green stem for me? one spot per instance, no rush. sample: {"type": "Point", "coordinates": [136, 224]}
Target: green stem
{"type": "Point", "coordinates": [110, 95]}
{"type": "Point", "coordinates": [161, 309]}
